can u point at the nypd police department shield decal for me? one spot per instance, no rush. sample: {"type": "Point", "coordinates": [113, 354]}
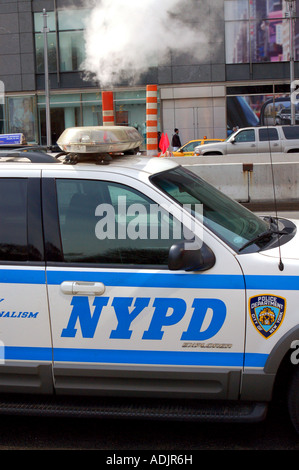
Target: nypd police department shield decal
{"type": "Point", "coordinates": [267, 313]}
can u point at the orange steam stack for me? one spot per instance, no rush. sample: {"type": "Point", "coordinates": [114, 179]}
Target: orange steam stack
{"type": "Point", "coordinates": [152, 119]}
{"type": "Point", "coordinates": [108, 108]}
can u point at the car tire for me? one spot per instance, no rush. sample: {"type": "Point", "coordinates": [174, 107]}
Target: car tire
{"type": "Point", "coordinates": [293, 399]}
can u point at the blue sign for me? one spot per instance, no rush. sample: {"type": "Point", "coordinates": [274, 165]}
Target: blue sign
{"type": "Point", "coordinates": [12, 139]}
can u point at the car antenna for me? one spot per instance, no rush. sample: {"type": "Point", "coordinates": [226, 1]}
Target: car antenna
{"type": "Point", "coordinates": [280, 265]}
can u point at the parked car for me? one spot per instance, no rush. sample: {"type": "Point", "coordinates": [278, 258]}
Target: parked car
{"type": "Point", "coordinates": [188, 148]}
{"type": "Point", "coordinates": [283, 139]}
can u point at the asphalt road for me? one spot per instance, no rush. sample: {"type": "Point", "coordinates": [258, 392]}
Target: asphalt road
{"type": "Point", "coordinates": [19, 433]}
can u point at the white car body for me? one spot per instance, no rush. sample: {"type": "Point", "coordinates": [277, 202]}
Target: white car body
{"type": "Point", "coordinates": [76, 322]}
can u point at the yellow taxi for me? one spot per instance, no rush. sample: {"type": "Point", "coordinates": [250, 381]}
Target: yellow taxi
{"type": "Point", "coordinates": [188, 149]}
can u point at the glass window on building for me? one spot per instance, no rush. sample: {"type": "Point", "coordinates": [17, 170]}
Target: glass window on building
{"type": "Point", "coordinates": [237, 42]}
{"type": "Point", "coordinates": [258, 31]}
{"type": "Point", "coordinates": [71, 25]}
{"type": "Point", "coordinates": [71, 50]}
{"type": "Point", "coordinates": [65, 40]}
{"type": "Point", "coordinates": [39, 42]}
{"type": "Point", "coordinates": [39, 21]}
{"type": "Point", "coordinates": [277, 111]}
{"type": "Point", "coordinates": [70, 20]}
{"type": "Point", "coordinates": [236, 10]}
{"type": "Point", "coordinates": [39, 51]}
{"type": "Point", "coordinates": [262, 105]}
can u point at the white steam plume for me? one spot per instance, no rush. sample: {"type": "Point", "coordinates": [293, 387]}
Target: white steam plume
{"type": "Point", "coordinates": [124, 38]}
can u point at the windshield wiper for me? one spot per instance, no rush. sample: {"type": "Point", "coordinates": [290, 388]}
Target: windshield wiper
{"type": "Point", "coordinates": [262, 236]}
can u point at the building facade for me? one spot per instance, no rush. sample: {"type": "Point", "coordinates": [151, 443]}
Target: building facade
{"type": "Point", "coordinates": [242, 78]}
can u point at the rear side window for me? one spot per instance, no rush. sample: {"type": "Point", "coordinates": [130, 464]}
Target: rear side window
{"type": "Point", "coordinates": [291, 132]}
{"type": "Point", "coordinates": [268, 134]}
{"type": "Point", "coordinates": [13, 219]}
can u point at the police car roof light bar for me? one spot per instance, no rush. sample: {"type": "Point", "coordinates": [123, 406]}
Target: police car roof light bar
{"type": "Point", "coordinates": [99, 140]}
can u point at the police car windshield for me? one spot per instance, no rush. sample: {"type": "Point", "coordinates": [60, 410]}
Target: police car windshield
{"type": "Point", "coordinates": [226, 218]}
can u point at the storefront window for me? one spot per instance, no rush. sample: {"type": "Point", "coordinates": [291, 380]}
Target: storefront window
{"type": "Point", "coordinates": [21, 117]}
{"type": "Point", "coordinates": [92, 114]}
{"type": "Point", "coordinates": [65, 111]}
{"type": "Point", "coordinates": [277, 111]}
{"type": "Point", "coordinates": [130, 110]}
{"type": "Point", "coordinates": [85, 109]}
{"type": "Point", "coordinates": [267, 105]}
{"type": "Point", "coordinates": [2, 119]}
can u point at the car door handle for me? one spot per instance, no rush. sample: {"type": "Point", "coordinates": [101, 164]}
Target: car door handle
{"type": "Point", "coordinates": [82, 288]}
{"type": "Point", "coordinates": [252, 145]}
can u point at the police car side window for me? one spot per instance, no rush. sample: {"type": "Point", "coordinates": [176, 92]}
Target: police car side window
{"type": "Point", "coordinates": [109, 223]}
{"type": "Point", "coordinates": [13, 217]}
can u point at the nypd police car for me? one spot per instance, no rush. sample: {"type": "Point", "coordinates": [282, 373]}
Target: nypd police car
{"type": "Point", "coordinates": [131, 287]}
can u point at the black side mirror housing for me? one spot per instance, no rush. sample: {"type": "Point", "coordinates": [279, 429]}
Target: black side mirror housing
{"type": "Point", "coordinates": [181, 257]}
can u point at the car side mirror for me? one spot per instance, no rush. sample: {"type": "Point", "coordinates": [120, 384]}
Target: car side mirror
{"type": "Point", "coordinates": [182, 257]}
{"type": "Point", "coordinates": [233, 141]}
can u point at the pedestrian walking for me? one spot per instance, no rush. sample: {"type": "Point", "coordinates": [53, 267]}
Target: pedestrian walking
{"type": "Point", "coordinates": [176, 141]}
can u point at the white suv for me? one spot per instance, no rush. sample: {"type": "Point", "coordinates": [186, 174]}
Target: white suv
{"type": "Point", "coordinates": [136, 281]}
{"type": "Point", "coordinates": [255, 140]}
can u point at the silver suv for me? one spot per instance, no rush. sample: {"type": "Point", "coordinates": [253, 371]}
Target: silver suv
{"type": "Point", "coordinates": [255, 140]}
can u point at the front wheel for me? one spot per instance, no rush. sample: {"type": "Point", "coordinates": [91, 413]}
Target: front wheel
{"type": "Point", "coordinates": [293, 399]}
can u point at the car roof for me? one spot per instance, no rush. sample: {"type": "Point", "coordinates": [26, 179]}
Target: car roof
{"type": "Point", "coordinates": [124, 164]}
